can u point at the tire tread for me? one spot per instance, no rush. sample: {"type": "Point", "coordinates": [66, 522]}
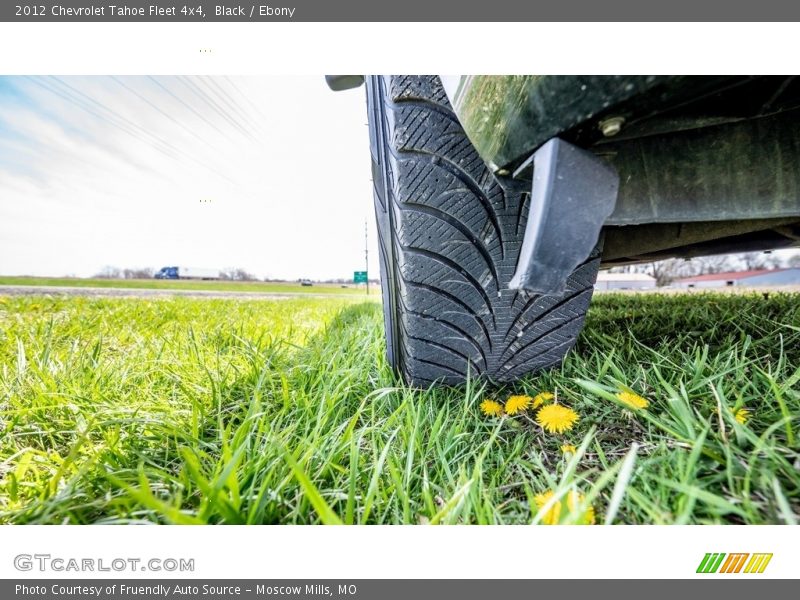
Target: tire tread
{"type": "Point", "coordinates": [450, 235]}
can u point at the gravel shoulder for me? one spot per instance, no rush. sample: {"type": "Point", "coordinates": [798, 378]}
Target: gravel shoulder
{"type": "Point", "coordinates": [36, 290]}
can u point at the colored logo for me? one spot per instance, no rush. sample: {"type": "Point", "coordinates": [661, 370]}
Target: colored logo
{"type": "Point", "coordinates": [737, 562]}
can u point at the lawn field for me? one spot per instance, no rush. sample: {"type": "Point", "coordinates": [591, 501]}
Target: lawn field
{"type": "Point", "coordinates": [184, 410]}
{"type": "Point", "coordinates": [266, 287]}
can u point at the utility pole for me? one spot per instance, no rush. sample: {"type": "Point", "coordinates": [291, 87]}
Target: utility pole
{"type": "Point", "coordinates": [366, 253]}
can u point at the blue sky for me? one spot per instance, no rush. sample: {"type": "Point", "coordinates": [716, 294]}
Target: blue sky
{"type": "Point", "coordinates": [270, 174]}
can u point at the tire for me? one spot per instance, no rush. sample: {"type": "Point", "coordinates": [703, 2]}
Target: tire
{"type": "Point", "coordinates": [450, 233]}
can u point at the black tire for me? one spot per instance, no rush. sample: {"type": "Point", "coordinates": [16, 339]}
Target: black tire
{"type": "Point", "coordinates": [450, 233]}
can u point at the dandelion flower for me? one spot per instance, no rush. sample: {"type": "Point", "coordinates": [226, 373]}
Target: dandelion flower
{"type": "Point", "coordinates": [516, 404]}
{"type": "Point", "coordinates": [742, 415]}
{"type": "Point", "coordinates": [555, 418]}
{"type": "Point", "coordinates": [569, 449]}
{"type": "Point", "coordinates": [632, 401]}
{"type": "Point", "coordinates": [542, 398]}
{"type": "Point", "coordinates": [491, 408]}
{"type": "Point", "coordinates": [553, 514]}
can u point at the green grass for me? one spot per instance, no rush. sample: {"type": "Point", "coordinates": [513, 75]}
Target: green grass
{"type": "Point", "coordinates": [230, 411]}
{"type": "Point", "coordinates": [266, 287]}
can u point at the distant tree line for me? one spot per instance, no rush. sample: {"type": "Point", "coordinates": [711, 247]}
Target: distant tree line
{"type": "Point", "coordinates": [237, 274]}
{"type": "Point", "coordinates": [667, 271]}
{"type": "Point", "coordinates": [111, 272]}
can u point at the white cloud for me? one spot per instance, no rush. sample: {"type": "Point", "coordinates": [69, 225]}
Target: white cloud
{"type": "Point", "coordinates": [111, 171]}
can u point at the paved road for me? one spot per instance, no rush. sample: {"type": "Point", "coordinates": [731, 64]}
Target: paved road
{"type": "Point", "coordinates": [156, 293]}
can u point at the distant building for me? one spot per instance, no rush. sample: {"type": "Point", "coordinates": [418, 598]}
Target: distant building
{"type": "Point", "coordinates": [754, 278]}
{"type": "Point", "coordinates": [624, 281]}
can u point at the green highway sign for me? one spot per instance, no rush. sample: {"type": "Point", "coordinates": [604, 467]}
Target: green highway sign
{"type": "Point", "coordinates": [359, 277]}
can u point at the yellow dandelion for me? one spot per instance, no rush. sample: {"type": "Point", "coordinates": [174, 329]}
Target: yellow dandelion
{"type": "Point", "coordinates": [491, 408]}
{"type": "Point", "coordinates": [632, 401]}
{"type": "Point", "coordinates": [542, 398]}
{"type": "Point", "coordinates": [516, 404]}
{"type": "Point", "coordinates": [569, 449]}
{"type": "Point", "coordinates": [742, 415]}
{"type": "Point", "coordinates": [553, 514]}
{"type": "Point", "coordinates": [555, 418]}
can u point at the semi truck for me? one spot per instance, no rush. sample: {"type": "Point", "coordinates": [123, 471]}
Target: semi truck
{"type": "Point", "coordinates": [186, 273]}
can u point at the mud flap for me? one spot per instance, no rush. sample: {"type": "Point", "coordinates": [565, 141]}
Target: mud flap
{"type": "Point", "coordinates": [573, 194]}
